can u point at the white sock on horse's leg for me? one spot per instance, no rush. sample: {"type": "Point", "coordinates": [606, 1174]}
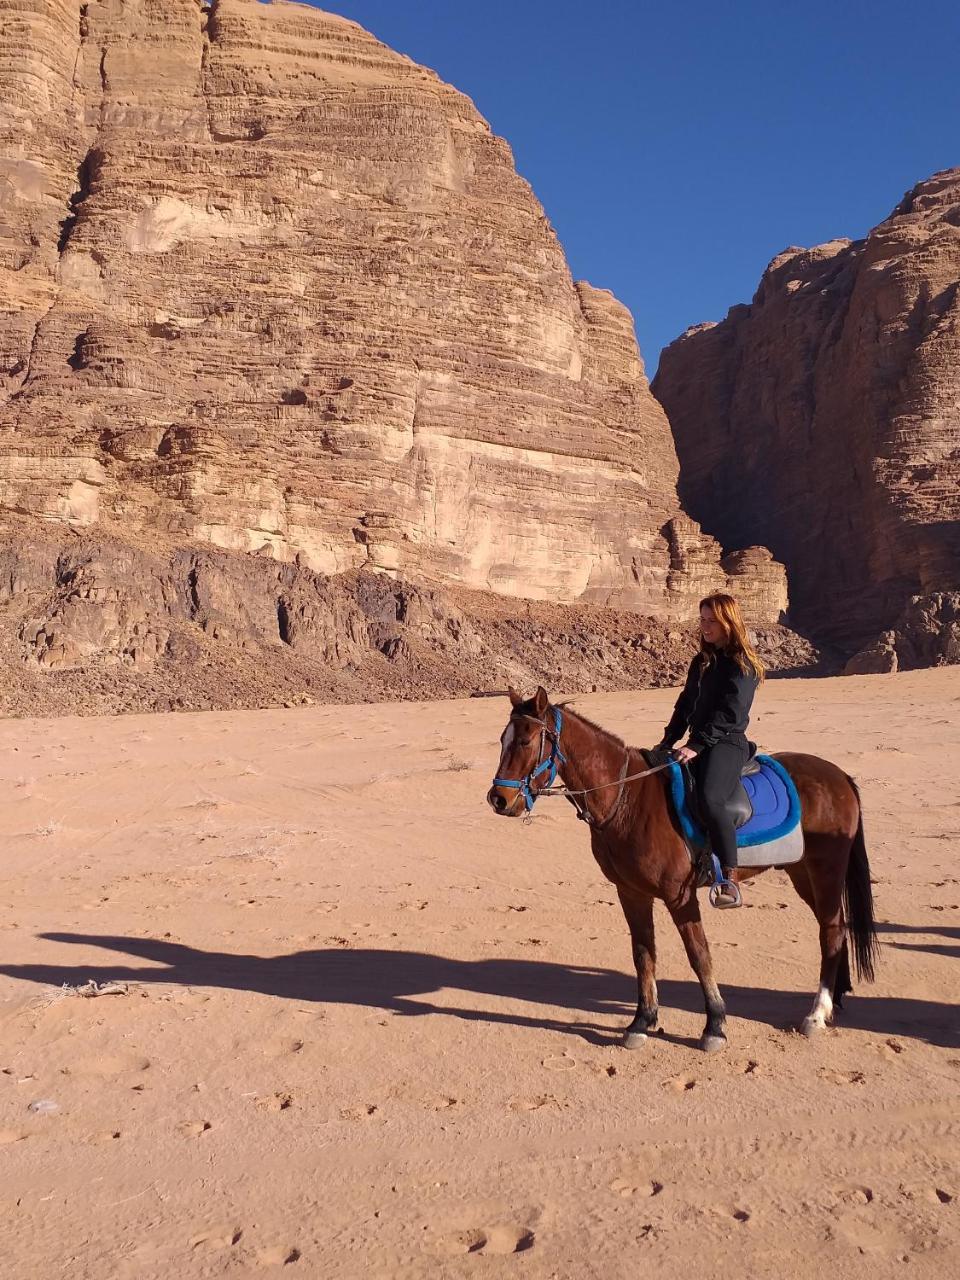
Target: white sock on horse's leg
{"type": "Point", "coordinates": [821, 1013]}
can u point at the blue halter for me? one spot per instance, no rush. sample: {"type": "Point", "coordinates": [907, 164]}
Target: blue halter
{"type": "Point", "coordinates": [548, 766]}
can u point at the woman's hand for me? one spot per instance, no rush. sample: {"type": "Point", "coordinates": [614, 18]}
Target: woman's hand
{"type": "Point", "coordinates": [683, 754]}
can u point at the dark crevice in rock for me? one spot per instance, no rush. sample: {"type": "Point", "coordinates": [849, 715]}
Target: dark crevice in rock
{"type": "Point", "coordinates": [87, 174]}
{"type": "Point", "coordinates": [193, 588]}
{"type": "Point", "coordinates": [283, 622]}
{"type": "Point", "coordinates": [76, 360]}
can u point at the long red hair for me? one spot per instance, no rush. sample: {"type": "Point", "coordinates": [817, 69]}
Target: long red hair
{"type": "Point", "coordinates": [736, 642]}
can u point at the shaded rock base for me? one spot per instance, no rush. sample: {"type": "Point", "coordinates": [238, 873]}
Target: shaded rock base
{"type": "Point", "coordinates": [95, 625]}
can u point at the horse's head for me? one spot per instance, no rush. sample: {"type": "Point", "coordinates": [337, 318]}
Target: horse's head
{"type": "Point", "coordinates": [529, 757]}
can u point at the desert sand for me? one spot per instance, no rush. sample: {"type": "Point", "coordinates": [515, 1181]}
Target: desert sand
{"type": "Point", "coordinates": [370, 1029]}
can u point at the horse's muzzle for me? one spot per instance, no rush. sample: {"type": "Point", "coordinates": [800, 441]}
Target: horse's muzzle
{"type": "Point", "coordinates": [500, 804]}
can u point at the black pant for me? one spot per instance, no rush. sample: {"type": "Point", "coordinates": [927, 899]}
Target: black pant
{"type": "Point", "coordinates": [717, 771]}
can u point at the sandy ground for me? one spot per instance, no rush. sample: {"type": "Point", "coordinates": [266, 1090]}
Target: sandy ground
{"type": "Point", "coordinates": [372, 1030]}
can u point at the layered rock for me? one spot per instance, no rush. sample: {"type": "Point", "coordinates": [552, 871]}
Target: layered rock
{"type": "Point", "coordinates": [822, 419]}
{"type": "Point", "coordinates": [271, 286]}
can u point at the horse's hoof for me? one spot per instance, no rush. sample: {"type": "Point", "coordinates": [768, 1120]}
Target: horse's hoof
{"type": "Point", "coordinates": [713, 1044]}
{"type": "Point", "coordinates": [811, 1027]}
{"type": "Point", "coordinates": [634, 1039]}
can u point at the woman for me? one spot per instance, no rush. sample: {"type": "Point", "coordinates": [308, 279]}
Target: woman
{"type": "Point", "coordinates": [715, 706]}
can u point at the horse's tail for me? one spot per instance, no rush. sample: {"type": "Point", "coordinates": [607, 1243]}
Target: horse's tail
{"type": "Point", "coordinates": [858, 901]}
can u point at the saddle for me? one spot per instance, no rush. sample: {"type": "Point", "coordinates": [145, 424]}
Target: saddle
{"type": "Point", "coordinates": [740, 804]}
{"type": "Point", "coordinates": [765, 809]}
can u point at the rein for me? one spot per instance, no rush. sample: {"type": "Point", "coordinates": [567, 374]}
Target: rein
{"type": "Point", "coordinates": [550, 764]}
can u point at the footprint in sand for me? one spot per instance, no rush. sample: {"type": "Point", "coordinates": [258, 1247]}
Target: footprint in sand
{"type": "Point", "coordinates": [499, 1240]}
{"type": "Point", "coordinates": [281, 1047]}
{"type": "Point", "coordinates": [107, 1065]}
{"type": "Point", "coordinates": [278, 1255]}
{"type": "Point", "coordinates": [194, 1128]}
{"type": "Point", "coordinates": [215, 1239]}
{"type": "Point", "coordinates": [275, 1102]}
{"type": "Point", "coordinates": [853, 1194]}
{"type": "Point", "coordinates": [536, 1103]}
{"type": "Point", "coordinates": [359, 1112]}
{"type": "Point", "coordinates": [681, 1084]}
{"type": "Point", "coordinates": [559, 1063]}
{"type": "Point", "coordinates": [895, 1047]}
{"type": "Point", "coordinates": [842, 1077]}
{"type": "Point", "coordinates": [627, 1187]}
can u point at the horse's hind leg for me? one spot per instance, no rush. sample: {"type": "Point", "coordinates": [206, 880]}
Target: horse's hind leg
{"type": "Point", "coordinates": [818, 878]}
{"type": "Point", "coordinates": [638, 909]}
{"type": "Point", "coordinates": [686, 916]}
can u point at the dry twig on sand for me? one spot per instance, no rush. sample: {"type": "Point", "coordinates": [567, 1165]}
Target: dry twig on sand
{"type": "Point", "coordinates": [87, 989]}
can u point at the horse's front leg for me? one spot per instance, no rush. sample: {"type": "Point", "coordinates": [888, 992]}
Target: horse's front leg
{"type": "Point", "coordinates": [686, 916]}
{"type": "Point", "coordinates": [638, 909]}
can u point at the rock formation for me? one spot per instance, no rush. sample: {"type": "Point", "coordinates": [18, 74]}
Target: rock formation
{"type": "Point", "coordinates": [823, 420]}
{"type": "Point", "coordinates": [101, 625]}
{"type": "Point", "coordinates": [273, 286]}
{"type": "Point", "coordinates": [270, 287]}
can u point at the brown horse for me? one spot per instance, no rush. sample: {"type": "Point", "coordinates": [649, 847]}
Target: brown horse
{"type": "Point", "coordinates": [638, 845]}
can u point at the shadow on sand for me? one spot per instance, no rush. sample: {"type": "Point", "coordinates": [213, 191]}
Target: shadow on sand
{"type": "Point", "coordinates": [389, 980]}
{"type": "Point", "coordinates": [934, 948]}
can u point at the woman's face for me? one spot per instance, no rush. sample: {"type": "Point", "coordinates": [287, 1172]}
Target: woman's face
{"type": "Point", "coordinates": [710, 628]}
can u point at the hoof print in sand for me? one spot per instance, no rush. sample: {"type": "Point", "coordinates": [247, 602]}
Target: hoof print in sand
{"type": "Point", "coordinates": [360, 1112]}
{"type": "Point", "coordinates": [499, 1240]}
{"type": "Point", "coordinates": [275, 1102]}
{"type": "Point", "coordinates": [278, 1255]}
{"type": "Point", "coordinates": [194, 1128]}
{"type": "Point", "coordinates": [215, 1239]}
{"type": "Point", "coordinates": [627, 1187]}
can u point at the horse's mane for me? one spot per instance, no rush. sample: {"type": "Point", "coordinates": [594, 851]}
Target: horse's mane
{"type": "Point", "coordinates": [592, 724]}
{"type": "Point", "coordinates": [529, 708]}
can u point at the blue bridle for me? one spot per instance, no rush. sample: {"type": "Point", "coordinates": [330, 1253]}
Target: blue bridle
{"type": "Point", "coordinates": [547, 766]}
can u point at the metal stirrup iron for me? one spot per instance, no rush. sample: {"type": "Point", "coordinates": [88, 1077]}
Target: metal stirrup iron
{"type": "Point", "coordinates": [724, 894]}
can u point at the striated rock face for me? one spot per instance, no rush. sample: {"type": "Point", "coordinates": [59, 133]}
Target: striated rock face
{"type": "Point", "coordinates": [268, 285]}
{"type": "Point", "coordinates": [823, 420]}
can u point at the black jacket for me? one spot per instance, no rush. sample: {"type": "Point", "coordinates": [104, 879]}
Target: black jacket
{"type": "Point", "coordinates": [715, 703]}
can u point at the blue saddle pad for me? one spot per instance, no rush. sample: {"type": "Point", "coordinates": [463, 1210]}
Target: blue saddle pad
{"type": "Point", "coordinates": [773, 797]}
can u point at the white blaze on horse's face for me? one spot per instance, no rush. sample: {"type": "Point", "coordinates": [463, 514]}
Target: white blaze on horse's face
{"type": "Point", "coordinates": [508, 802]}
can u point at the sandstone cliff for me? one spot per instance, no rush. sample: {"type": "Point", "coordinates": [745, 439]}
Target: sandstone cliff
{"type": "Point", "coordinates": [271, 285]}
{"type": "Point", "coordinates": [268, 286]}
{"type": "Point", "coordinates": [823, 420]}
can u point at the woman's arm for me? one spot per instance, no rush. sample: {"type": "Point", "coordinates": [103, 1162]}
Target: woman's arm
{"type": "Point", "coordinates": [684, 706]}
{"type": "Point", "coordinates": [731, 709]}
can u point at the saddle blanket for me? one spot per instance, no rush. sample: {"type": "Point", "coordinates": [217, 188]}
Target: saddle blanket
{"type": "Point", "coordinates": [772, 835]}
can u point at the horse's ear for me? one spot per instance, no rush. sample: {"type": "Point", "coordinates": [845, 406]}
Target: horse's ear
{"type": "Point", "coordinates": [541, 701]}
{"type": "Point", "coordinates": [515, 697]}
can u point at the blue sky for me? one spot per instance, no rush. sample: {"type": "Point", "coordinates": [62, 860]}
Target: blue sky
{"type": "Point", "coordinates": [677, 147]}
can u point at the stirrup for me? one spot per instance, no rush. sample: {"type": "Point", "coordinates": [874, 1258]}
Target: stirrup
{"type": "Point", "coordinates": [724, 894]}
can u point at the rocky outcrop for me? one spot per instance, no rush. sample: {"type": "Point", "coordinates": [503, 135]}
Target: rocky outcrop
{"type": "Point", "coordinates": [927, 634]}
{"type": "Point", "coordinates": [268, 285]}
{"type": "Point", "coordinates": [92, 623]}
{"type": "Point", "coordinates": [823, 420]}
